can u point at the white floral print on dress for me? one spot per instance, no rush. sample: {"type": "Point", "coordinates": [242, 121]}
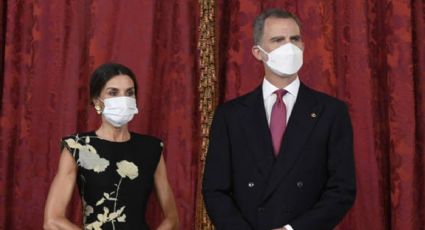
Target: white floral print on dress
{"type": "Point", "coordinates": [127, 169]}
{"type": "Point", "coordinates": [88, 157]}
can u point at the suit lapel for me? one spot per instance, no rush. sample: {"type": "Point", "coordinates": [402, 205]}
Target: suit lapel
{"type": "Point", "coordinates": [304, 115]}
{"type": "Point", "coordinates": [256, 131]}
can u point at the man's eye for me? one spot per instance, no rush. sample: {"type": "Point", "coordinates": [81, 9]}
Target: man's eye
{"type": "Point", "coordinates": [297, 39]}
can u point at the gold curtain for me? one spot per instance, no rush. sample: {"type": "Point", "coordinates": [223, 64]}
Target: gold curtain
{"type": "Point", "coordinates": [208, 90]}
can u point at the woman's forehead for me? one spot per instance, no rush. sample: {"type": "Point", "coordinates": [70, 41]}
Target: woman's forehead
{"type": "Point", "coordinates": [120, 81]}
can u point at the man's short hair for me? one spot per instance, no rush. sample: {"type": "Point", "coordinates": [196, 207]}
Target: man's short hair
{"type": "Point", "coordinates": [258, 26]}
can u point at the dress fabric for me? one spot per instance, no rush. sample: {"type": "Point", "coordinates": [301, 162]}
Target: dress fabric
{"type": "Point", "coordinates": [114, 179]}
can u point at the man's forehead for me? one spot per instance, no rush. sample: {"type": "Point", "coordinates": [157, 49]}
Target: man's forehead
{"type": "Point", "coordinates": [281, 24]}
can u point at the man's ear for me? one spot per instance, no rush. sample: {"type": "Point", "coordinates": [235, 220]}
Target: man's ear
{"type": "Point", "coordinates": [258, 54]}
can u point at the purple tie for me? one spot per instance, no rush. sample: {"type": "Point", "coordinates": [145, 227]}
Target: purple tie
{"type": "Point", "coordinates": [278, 120]}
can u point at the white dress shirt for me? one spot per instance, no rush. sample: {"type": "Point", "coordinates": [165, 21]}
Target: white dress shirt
{"type": "Point", "coordinates": [289, 99]}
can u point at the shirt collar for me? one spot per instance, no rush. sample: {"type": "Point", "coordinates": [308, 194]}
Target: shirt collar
{"type": "Point", "coordinates": [269, 89]}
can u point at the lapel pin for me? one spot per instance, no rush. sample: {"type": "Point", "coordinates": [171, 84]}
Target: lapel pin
{"type": "Point", "coordinates": [313, 115]}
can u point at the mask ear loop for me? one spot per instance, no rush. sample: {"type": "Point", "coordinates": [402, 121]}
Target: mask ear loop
{"type": "Point", "coordinates": [259, 47]}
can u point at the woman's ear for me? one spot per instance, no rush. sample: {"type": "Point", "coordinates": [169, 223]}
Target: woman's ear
{"type": "Point", "coordinates": [97, 105]}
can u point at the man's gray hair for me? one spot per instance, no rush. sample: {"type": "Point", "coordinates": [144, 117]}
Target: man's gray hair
{"type": "Point", "coordinates": [258, 26]}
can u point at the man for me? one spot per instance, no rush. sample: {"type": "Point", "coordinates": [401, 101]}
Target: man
{"type": "Point", "coordinates": [281, 156]}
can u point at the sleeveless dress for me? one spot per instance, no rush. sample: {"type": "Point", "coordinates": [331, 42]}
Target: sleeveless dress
{"type": "Point", "coordinates": [114, 179]}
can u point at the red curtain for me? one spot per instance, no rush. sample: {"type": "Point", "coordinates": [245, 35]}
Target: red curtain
{"type": "Point", "coordinates": [51, 49]}
{"type": "Point", "coordinates": [369, 53]}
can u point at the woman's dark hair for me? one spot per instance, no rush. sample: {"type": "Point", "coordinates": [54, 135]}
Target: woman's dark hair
{"type": "Point", "coordinates": [104, 73]}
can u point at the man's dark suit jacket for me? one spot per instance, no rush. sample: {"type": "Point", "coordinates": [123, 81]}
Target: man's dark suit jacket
{"type": "Point", "coordinates": [310, 185]}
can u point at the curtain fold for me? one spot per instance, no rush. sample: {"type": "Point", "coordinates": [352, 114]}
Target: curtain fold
{"type": "Point", "coordinates": [3, 9]}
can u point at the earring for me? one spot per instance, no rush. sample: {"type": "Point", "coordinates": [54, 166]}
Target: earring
{"type": "Point", "coordinates": [98, 109]}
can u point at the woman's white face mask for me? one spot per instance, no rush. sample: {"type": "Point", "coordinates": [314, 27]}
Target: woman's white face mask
{"type": "Point", "coordinates": [285, 60]}
{"type": "Point", "coordinates": [119, 110]}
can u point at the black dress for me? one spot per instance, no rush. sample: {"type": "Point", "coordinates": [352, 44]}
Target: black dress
{"type": "Point", "coordinates": [115, 179]}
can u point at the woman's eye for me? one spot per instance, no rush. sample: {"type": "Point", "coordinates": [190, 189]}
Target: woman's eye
{"type": "Point", "coordinates": [112, 93]}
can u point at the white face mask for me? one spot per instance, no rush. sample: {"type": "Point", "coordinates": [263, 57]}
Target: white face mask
{"type": "Point", "coordinates": [285, 60]}
{"type": "Point", "coordinates": [119, 110]}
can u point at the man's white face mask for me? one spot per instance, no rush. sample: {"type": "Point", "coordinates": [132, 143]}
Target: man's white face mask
{"type": "Point", "coordinates": [285, 60]}
{"type": "Point", "coordinates": [119, 110]}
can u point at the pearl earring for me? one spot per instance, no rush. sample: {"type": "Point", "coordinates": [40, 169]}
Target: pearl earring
{"type": "Point", "coordinates": [98, 109]}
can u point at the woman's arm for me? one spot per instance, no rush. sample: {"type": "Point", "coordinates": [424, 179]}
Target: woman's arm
{"type": "Point", "coordinates": [60, 194]}
{"type": "Point", "coordinates": [166, 198]}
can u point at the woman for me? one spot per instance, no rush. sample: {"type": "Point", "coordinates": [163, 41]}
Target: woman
{"type": "Point", "coordinates": [115, 169]}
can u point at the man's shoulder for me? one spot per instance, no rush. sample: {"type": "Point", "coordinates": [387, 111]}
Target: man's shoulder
{"type": "Point", "coordinates": [245, 99]}
{"type": "Point", "coordinates": [324, 98]}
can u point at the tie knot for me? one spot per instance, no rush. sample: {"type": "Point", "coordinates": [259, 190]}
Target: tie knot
{"type": "Point", "coordinates": [280, 93]}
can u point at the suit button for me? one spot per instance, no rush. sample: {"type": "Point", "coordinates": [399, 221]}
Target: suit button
{"type": "Point", "coordinates": [261, 209]}
{"type": "Point", "coordinates": [300, 184]}
{"type": "Point", "coordinates": [251, 184]}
